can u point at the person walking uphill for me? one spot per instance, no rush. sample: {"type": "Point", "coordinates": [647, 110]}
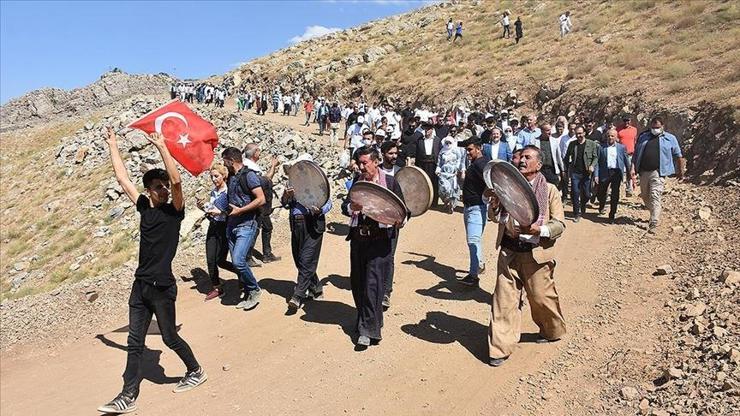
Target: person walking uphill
{"type": "Point", "coordinates": [307, 226]}
{"type": "Point", "coordinates": [217, 246]}
{"type": "Point", "coordinates": [371, 251]}
{"type": "Point", "coordinates": [458, 32]}
{"type": "Point", "coordinates": [653, 160]}
{"type": "Point", "coordinates": [518, 29]}
{"type": "Point", "coordinates": [474, 213]}
{"type": "Point", "coordinates": [154, 290]}
{"type": "Point", "coordinates": [526, 261]}
{"type": "Point", "coordinates": [581, 159]}
{"type": "Point", "coordinates": [245, 197]}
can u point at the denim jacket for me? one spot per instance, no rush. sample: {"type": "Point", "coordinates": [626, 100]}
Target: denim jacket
{"type": "Point", "coordinates": [668, 150]}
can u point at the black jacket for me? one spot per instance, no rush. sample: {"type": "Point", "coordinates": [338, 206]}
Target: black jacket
{"type": "Point", "coordinates": [363, 220]}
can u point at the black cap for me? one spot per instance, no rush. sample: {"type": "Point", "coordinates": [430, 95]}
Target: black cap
{"type": "Point", "coordinates": [471, 140]}
{"type": "Point", "coordinates": [427, 125]}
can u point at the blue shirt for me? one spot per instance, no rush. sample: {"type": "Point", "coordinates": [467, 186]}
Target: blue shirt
{"type": "Point", "coordinates": [525, 136]}
{"type": "Point", "coordinates": [668, 150]}
{"type": "Point", "coordinates": [237, 195]}
{"type": "Point", "coordinates": [299, 209]}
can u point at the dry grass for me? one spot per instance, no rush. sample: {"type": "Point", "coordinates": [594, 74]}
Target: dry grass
{"type": "Point", "coordinates": [53, 238]}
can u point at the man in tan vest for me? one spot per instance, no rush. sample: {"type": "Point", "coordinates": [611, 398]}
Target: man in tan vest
{"type": "Point", "coordinates": [526, 262]}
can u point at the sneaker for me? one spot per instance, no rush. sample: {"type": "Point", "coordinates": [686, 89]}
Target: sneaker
{"type": "Point", "coordinates": [252, 263]}
{"type": "Point", "coordinates": [316, 294]}
{"type": "Point", "coordinates": [386, 301]}
{"type": "Point", "coordinates": [252, 300]}
{"type": "Point", "coordinates": [191, 380]}
{"type": "Point", "coordinates": [577, 218]}
{"type": "Point", "coordinates": [469, 280]}
{"type": "Point", "coordinates": [652, 229]}
{"type": "Point", "coordinates": [121, 404]}
{"type": "Point", "coordinates": [295, 303]}
{"type": "Point", "coordinates": [497, 362]}
{"type": "Point", "coordinates": [213, 294]}
{"type": "Point", "coordinates": [602, 211]}
{"type": "Point", "coordinates": [363, 341]}
{"type": "Point", "coordinates": [269, 258]}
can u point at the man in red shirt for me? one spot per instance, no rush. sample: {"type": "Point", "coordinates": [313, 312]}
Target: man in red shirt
{"type": "Point", "coordinates": [627, 135]}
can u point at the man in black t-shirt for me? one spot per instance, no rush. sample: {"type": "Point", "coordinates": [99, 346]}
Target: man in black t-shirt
{"type": "Point", "coordinates": [154, 291]}
{"type": "Point", "coordinates": [474, 208]}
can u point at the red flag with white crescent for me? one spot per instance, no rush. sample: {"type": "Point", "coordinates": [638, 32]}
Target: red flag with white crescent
{"type": "Point", "coordinates": [189, 138]}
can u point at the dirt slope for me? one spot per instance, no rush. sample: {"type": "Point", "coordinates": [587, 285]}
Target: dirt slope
{"type": "Point", "coordinates": [430, 361]}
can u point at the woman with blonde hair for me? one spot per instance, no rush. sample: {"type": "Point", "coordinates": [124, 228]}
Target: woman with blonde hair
{"type": "Point", "coordinates": [217, 246]}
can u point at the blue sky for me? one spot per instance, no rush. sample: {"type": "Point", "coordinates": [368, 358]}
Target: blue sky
{"type": "Point", "coordinates": [69, 44]}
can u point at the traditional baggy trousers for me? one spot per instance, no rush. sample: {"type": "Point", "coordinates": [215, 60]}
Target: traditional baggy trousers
{"type": "Point", "coordinates": [371, 262]}
{"type": "Point", "coordinates": [306, 247]}
{"type": "Point", "coordinates": [517, 271]}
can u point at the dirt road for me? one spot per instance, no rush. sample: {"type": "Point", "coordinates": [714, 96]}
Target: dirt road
{"type": "Point", "coordinates": [432, 359]}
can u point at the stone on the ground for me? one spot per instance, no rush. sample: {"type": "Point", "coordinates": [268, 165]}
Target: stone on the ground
{"type": "Point", "coordinates": [730, 277]}
{"type": "Point", "coordinates": [663, 270]}
{"type": "Point", "coordinates": [629, 393]}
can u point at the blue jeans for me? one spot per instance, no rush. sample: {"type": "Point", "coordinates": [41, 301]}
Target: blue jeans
{"type": "Point", "coordinates": [475, 222]}
{"type": "Point", "coordinates": [580, 191]}
{"type": "Point", "coordinates": [241, 239]}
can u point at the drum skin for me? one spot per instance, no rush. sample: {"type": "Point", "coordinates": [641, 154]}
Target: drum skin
{"type": "Point", "coordinates": [378, 202]}
{"type": "Point", "coordinates": [417, 189]}
{"type": "Point", "coordinates": [512, 190]}
{"type": "Point", "coordinates": [310, 184]}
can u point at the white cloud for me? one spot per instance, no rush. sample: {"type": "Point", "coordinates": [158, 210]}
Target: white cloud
{"type": "Point", "coordinates": [314, 32]}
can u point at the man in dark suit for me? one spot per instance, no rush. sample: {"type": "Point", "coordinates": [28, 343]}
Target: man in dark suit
{"type": "Point", "coordinates": [427, 153]}
{"type": "Point", "coordinates": [307, 226]}
{"type": "Point", "coordinates": [581, 159]}
{"type": "Point", "coordinates": [613, 164]}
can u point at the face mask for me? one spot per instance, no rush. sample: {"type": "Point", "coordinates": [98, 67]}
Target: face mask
{"type": "Point", "coordinates": [656, 132]}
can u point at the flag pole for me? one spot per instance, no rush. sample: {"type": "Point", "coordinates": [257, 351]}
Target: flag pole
{"type": "Point", "coordinates": [153, 111]}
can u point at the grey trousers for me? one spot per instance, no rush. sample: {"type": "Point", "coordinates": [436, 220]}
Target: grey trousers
{"type": "Point", "coordinates": [651, 191]}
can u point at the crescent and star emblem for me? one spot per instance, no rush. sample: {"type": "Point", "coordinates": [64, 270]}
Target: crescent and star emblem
{"type": "Point", "coordinates": [158, 125]}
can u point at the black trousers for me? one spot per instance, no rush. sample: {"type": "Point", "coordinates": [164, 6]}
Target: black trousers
{"type": "Point", "coordinates": [389, 277]}
{"type": "Point", "coordinates": [306, 248]}
{"type": "Point", "coordinates": [217, 247]}
{"type": "Point", "coordinates": [430, 167]}
{"type": "Point", "coordinates": [145, 300]}
{"type": "Point", "coordinates": [564, 186]}
{"type": "Point", "coordinates": [615, 181]}
{"type": "Point", "coordinates": [371, 262]}
{"type": "Point", "coordinates": [264, 224]}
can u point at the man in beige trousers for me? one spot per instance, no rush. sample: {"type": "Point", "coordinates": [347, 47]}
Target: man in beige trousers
{"type": "Point", "coordinates": [526, 261]}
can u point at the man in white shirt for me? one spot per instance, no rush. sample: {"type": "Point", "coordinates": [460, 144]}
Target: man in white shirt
{"type": "Point", "coordinates": [353, 140]}
{"type": "Point", "coordinates": [563, 139]}
{"type": "Point", "coordinates": [565, 24]}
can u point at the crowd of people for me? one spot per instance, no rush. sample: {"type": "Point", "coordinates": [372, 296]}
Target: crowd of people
{"type": "Point", "coordinates": [579, 160]}
{"type": "Point", "coordinates": [203, 93]}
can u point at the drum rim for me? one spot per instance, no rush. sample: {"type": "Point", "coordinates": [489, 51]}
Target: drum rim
{"type": "Point", "coordinates": [500, 166]}
{"type": "Point", "coordinates": [316, 167]}
{"type": "Point", "coordinates": [429, 183]}
{"type": "Point", "coordinates": [384, 189]}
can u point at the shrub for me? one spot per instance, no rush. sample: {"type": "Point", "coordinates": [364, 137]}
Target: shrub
{"type": "Point", "coordinates": [675, 70]}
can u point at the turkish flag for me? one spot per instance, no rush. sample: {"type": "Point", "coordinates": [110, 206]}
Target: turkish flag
{"type": "Point", "coordinates": [189, 138]}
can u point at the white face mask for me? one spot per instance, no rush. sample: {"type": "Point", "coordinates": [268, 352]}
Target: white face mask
{"type": "Point", "coordinates": [656, 132]}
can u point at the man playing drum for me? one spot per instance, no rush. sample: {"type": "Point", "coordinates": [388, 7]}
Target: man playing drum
{"type": "Point", "coordinates": [371, 254]}
{"type": "Point", "coordinates": [526, 261]}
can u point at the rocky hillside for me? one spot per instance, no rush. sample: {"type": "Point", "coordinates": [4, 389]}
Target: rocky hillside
{"type": "Point", "coordinates": [658, 50]}
{"type": "Point", "coordinates": [54, 104]}
{"type": "Point", "coordinates": [83, 226]}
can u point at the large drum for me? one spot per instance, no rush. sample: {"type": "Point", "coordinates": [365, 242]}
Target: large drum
{"type": "Point", "coordinates": [417, 189]}
{"type": "Point", "coordinates": [513, 191]}
{"type": "Point", "coordinates": [378, 202]}
{"type": "Point", "coordinates": [310, 184]}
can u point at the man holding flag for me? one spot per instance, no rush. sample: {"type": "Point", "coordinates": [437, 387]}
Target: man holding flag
{"type": "Point", "coordinates": [154, 290]}
{"type": "Point", "coordinates": [178, 134]}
